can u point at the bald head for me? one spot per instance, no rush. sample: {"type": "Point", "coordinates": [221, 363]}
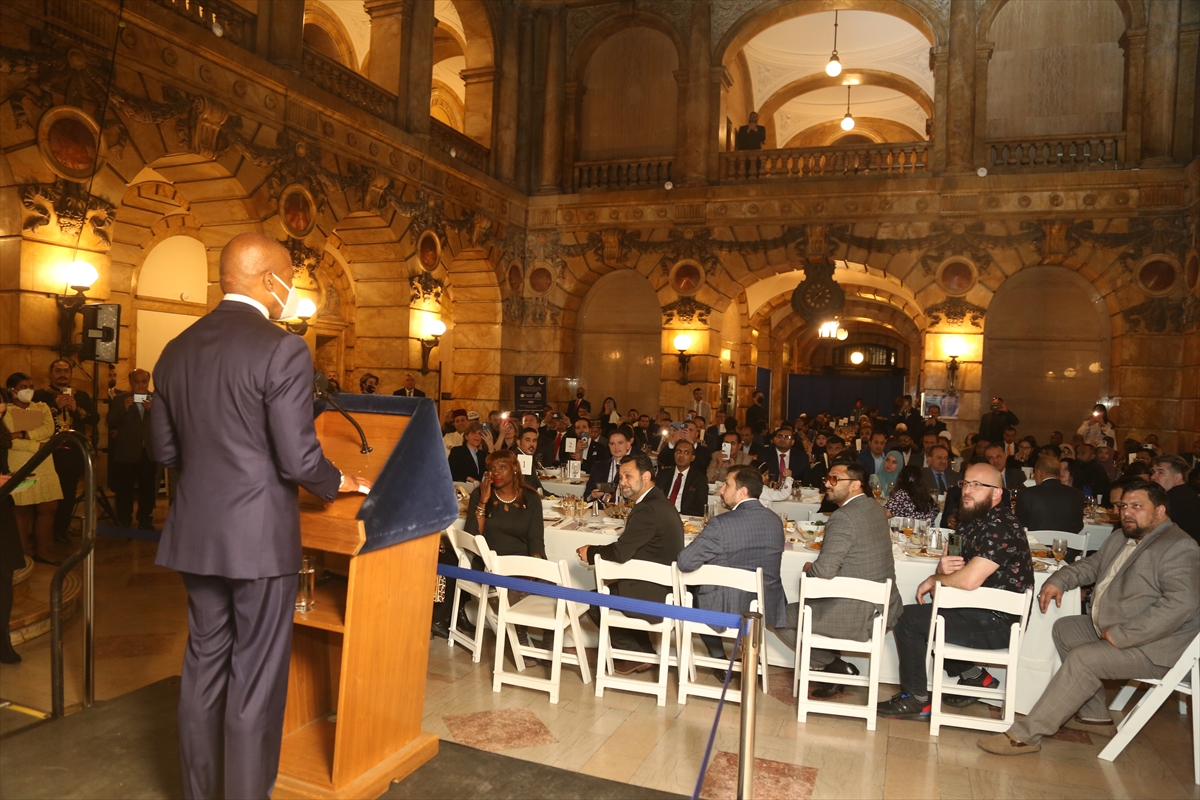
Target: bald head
{"type": "Point", "coordinates": [257, 266]}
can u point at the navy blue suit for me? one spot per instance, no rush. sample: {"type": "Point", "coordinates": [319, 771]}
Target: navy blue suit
{"type": "Point", "coordinates": [233, 413]}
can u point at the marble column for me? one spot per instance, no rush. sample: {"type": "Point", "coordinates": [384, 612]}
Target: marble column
{"type": "Point", "coordinates": [938, 62]}
{"type": "Point", "coordinates": [701, 132]}
{"type": "Point", "coordinates": [960, 122]}
{"type": "Point", "coordinates": [983, 55]}
{"type": "Point", "coordinates": [526, 109]}
{"type": "Point", "coordinates": [1133, 42]}
{"type": "Point", "coordinates": [719, 84]}
{"type": "Point", "coordinates": [390, 21]}
{"type": "Point", "coordinates": [504, 143]}
{"type": "Point", "coordinates": [1162, 65]}
{"type": "Point", "coordinates": [1187, 132]}
{"type": "Point", "coordinates": [681, 164]}
{"type": "Point", "coordinates": [573, 93]}
{"type": "Point", "coordinates": [419, 66]}
{"type": "Point", "coordinates": [552, 121]}
{"type": "Point", "coordinates": [480, 94]}
{"type": "Point", "coordinates": [286, 36]}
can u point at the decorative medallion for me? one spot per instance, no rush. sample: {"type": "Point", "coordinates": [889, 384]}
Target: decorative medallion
{"type": "Point", "coordinates": [1157, 274]}
{"type": "Point", "coordinates": [956, 276]}
{"type": "Point", "coordinates": [70, 142]}
{"type": "Point", "coordinates": [169, 57]}
{"type": "Point", "coordinates": [956, 311]}
{"type": "Point", "coordinates": [239, 88]}
{"type": "Point", "coordinates": [206, 73]}
{"type": "Point", "coordinates": [429, 250]}
{"type": "Point", "coordinates": [686, 309]}
{"type": "Point", "coordinates": [1191, 272]}
{"type": "Point", "coordinates": [271, 101]}
{"type": "Point", "coordinates": [305, 261]}
{"type": "Point", "coordinates": [687, 277]}
{"type": "Point", "coordinates": [373, 148]}
{"type": "Point", "coordinates": [541, 281]}
{"type": "Point", "coordinates": [515, 280]}
{"type": "Point", "coordinates": [818, 298]}
{"type": "Point", "coordinates": [297, 210]}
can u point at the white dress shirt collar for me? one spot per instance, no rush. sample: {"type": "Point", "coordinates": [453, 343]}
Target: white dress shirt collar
{"type": "Point", "coordinates": [250, 301]}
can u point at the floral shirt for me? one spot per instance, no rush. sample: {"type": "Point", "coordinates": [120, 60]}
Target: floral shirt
{"type": "Point", "coordinates": [997, 536]}
{"type": "Point", "coordinates": [901, 505]}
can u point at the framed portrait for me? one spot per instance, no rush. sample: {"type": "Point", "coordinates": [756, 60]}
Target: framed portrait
{"type": "Point", "coordinates": [297, 210]}
{"type": "Point", "coordinates": [70, 142]}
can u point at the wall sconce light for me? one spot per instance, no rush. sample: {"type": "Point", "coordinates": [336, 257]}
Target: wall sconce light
{"type": "Point", "coordinates": [682, 343]}
{"type": "Point", "coordinates": [954, 348]}
{"type": "Point", "coordinates": [305, 310]}
{"type": "Point", "coordinates": [433, 337]}
{"type": "Point", "coordinates": [832, 330]}
{"type": "Point", "coordinates": [80, 276]}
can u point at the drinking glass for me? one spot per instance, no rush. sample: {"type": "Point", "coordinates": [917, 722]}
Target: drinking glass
{"type": "Point", "coordinates": [1059, 548]}
{"type": "Point", "coordinates": [308, 584]}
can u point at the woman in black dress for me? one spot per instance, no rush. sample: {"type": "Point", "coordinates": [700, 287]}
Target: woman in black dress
{"type": "Point", "coordinates": [505, 511]}
{"type": "Point", "coordinates": [11, 556]}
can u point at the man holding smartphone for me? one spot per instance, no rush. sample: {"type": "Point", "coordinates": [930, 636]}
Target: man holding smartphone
{"type": "Point", "coordinates": [130, 465]}
{"type": "Point", "coordinates": [73, 410]}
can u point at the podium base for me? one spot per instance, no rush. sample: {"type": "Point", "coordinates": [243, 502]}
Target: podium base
{"type": "Point", "coordinates": [370, 784]}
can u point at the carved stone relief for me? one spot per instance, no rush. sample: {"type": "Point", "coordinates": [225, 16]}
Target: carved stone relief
{"type": "Point", "coordinates": [70, 206]}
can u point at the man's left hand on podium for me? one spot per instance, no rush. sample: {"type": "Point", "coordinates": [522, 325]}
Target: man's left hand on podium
{"type": "Point", "coordinates": [351, 484]}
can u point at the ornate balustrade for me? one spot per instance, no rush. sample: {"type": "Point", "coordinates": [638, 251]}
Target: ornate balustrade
{"type": "Point", "coordinates": [1087, 151]}
{"type": "Point", "coordinates": [347, 84]}
{"type": "Point", "coordinates": [902, 158]}
{"type": "Point", "coordinates": [630, 173]}
{"type": "Point", "coordinates": [222, 18]}
{"type": "Point", "coordinates": [458, 145]}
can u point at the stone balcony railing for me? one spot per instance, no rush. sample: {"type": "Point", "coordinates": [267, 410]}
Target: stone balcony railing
{"type": "Point", "coordinates": [347, 84]}
{"type": "Point", "coordinates": [630, 173]}
{"type": "Point", "coordinates": [902, 158]}
{"type": "Point", "coordinates": [458, 145]}
{"type": "Point", "coordinates": [222, 18]}
{"type": "Point", "coordinates": [1062, 153]}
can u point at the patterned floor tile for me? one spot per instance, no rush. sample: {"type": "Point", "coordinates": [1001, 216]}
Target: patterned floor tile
{"type": "Point", "coordinates": [773, 780]}
{"type": "Point", "coordinates": [504, 729]}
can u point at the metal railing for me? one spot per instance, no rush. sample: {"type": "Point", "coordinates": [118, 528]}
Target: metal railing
{"type": "Point", "coordinates": [1057, 153]}
{"type": "Point", "coordinates": [222, 18]}
{"type": "Point", "coordinates": [78, 442]}
{"type": "Point", "coordinates": [458, 145]}
{"type": "Point", "coordinates": [347, 84]}
{"type": "Point", "coordinates": [901, 158]}
{"type": "Point", "coordinates": [625, 173]}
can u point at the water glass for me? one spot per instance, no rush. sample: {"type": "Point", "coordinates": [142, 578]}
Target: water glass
{"type": "Point", "coordinates": [1059, 549]}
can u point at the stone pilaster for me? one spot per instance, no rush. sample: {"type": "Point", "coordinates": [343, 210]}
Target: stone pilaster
{"type": "Point", "coordinates": [698, 118]}
{"type": "Point", "coordinates": [505, 141]}
{"type": "Point", "coordinates": [960, 122]}
{"type": "Point", "coordinates": [419, 69]}
{"type": "Point", "coordinates": [480, 86]}
{"type": "Point", "coordinates": [1161, 78]}
{"type": "Point", "coordinates": [285, 40]}
{"type": "Point", "coordinates": [939, 59]}
{"type": "Point", "coordinates": [552, 120]}
{"type": "Point", "coordinates": [390, 23]}
{"type": "Point", "coordinates": [1185, 95]}
{"type": "Point", "coordinates": [1133, 42]}
{"type": "Point", "coordinates": [983, 55]}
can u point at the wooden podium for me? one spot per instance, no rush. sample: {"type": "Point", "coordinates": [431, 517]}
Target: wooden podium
{"type": "Point", "coordinates": [356, 686]}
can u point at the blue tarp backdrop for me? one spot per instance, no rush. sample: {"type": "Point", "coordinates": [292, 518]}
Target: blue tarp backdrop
{"type": "Point", "coordinates": [811, 394]}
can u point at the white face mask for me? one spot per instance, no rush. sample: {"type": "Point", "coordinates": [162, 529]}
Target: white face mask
{"type": "Point", "coordinates": [25, 395]}
{"type": "Point", "coordinates": [291, 305]}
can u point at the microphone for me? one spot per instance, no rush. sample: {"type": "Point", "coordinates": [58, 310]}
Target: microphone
{"type": "Point", "coordinates": [322, 390]}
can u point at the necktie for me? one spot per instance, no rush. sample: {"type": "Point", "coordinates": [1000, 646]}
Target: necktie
{"type": "Point", "coordinates": [782, 464]}
{"type": "Point", "coordinates": [675, 487]}
{"type": "Point", "coordinates": [557, 444]}
{"type": "Point", "coordinates": [941, 482]}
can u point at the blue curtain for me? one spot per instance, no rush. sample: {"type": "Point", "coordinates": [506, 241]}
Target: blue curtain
{"type": "Point", "coordinates": [811, 394]}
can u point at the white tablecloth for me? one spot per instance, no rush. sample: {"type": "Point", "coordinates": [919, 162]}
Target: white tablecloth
{"type": "Point", "coordinates": [1039, 658]}
{"type": "Point", "coordinates": [562, 488]}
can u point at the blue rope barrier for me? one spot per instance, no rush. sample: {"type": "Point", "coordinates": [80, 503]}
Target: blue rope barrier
{"type": "Point", "coordinates": [712, 734]}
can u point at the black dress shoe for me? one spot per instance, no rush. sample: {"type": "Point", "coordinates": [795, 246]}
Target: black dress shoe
{"type": "Point", "coordinates": [839, 667]}
{"type": "Point", "coordinates": [464, 625]}
{"type": "Point", "coordinates": [824, 691]}
{"type": "Point", "coordinates": [439, 629]}
{"type": "Point", "coordinates": [10, 657]}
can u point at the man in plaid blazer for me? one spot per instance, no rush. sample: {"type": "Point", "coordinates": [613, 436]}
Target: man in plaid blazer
{"type": "Point", "coordinates": [1145, 613]}
{"type": "Point", "coordinates": [857, 544]}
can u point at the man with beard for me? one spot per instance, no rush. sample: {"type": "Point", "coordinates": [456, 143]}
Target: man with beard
{"type": "Point", "coordinates": [1143, 617]}
{"type": "Point", "coordinates": [995, 555]}
{"type": "Point", "coordinates": [605, 472]}
{"type": "Point", "coordinates": [527, 444]}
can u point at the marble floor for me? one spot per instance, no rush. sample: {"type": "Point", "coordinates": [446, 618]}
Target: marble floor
{"type": "Point", "coordinates": [141, 631]}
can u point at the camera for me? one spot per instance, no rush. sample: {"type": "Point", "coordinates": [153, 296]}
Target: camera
{"type": "Point", "coordinates": [68, 391]}
{"type": "Point", "coordinates": [141, 398]}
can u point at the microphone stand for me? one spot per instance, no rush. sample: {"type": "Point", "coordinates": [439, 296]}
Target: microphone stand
{"type": "Point", "coordinates": [323, 391]}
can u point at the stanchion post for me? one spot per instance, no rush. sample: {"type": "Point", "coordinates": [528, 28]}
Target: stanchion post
{"type": "Point", "coordinates": [751, 642]}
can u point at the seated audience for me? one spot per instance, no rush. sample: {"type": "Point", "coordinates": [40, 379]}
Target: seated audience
{"type": "Point", "coordinates": [1183, 504]}
{"type": "Point", "coordinates": [780, 460]}
{"type": "Point", "coordinates": [937, 474]}
{"type": "Point", "coordinates": [721, 464]}
{"type": "Point", "coordinates": [410, 387]}
{"type": "Point", "coordinates": [747, 536]}
{"type": "Point", "coordinates": [1090, 477]}
{"type": "Point", "coordinates": [458, 421]}
{"type": "Point", "coordinates": [685, 484]}
{"type": "Point", "coordinates": [1024, 457]}
{"type": "Point", "coordinates": [872, 454]}
{"type": "Point", "coordinates": [693, 431]}
{"type": "Point", "coordinates": [835, 447]}
{"type": "Point", "coordinates": [605, 473]}
{"type": "Point", "coordinates": [857, 544]}
{"type": "Point", "coordinates": [527, 444]}
{"type": "Point", "coordinates": [653, 532]}
{"type": "Point", "coordinates": [368, 384]}
{"type": "Point", "coordinates": [995, 555]}
{"type": "Point", "coordinates": [1050, 505]}
{"type": "Point", "coordinates": [929, 440]}
{"type": "Point", "coordinates": [1010, 479]}
{"type": "Point", "coordinates": [506, 511]}
{"type": "Point", "coordinates": [553, 450]}
{"type": "Point", "coordinates": [467, 461]}
{"type": "Point", "coordinates": [893, 462]}
{"type": "Point", "coordinates": [1142, 619]}
{"type": "Point", "coordinates": [911, 497]}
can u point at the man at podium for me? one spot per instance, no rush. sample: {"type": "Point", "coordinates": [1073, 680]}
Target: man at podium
{"type": "Point", "coordinates": [233, 413]}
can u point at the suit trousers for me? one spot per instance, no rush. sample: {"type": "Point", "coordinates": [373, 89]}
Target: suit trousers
{"type": "Point", "coordinates": [818, 658]}
{"type": "Point", "coordinates": [1087, 660]}
{"type": "Point", "coordinates": [69, 467]}
{"type": "Point", "coordinates": [234, 686]}
{"type": "Point", "coordinates": [976, 628]}
{"type": "Point", "coordinates": [138, 477]}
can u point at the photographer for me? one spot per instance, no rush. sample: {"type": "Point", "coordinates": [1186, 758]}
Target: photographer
{"type": "Point", "coordinates": [130, 466]}
{"type": "Point", "coordinates": [992, 426]}
{"type": "Point", "coordinates": [72, 410]}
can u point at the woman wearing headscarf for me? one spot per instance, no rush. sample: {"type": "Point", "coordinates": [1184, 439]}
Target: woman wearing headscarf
{"type": "Point", "coordinates": [893, 462]}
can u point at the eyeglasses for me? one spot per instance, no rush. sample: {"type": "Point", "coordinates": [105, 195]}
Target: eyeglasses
{"type": "Point", "coordinates": [1123, 506]}
{"type": "Point", "coordinates": [832, 480]}
{"type": "Point", "coordinates": [784, 436]}
{"type": "Point", "coordinates": [976, 485]}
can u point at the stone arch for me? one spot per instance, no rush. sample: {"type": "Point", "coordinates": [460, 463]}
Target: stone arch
{"type": "Point", "coordinates": [322, 17]}
{"type": "Point", "coordinates": [874, 129]}
{"type": "Point", "coordinates": [615, 24]}
{"type": "Point", "coordinates": [480, 41]}
{"type": "Point", "coordinates": [1133, 11]}
{"type": "Point", "coordinates": [479, 53]}
{"type": "Point", "coordinates": [623, 305]}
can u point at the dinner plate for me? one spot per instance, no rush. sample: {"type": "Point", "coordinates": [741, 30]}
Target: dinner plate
{"type": "Point", "coordinates": [1040, 566]}
{"type": "Point", "coordinates": [922, 556]}
{"type": "Point", "coordinates": [813, 546]}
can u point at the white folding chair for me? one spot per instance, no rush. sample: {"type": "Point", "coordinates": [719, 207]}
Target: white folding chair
{"type": "Point", "coordinates": [606, 676]}
{"type": "Point", "coordinates": [851, 589]}
{"type": "Point", "coordinates": [1184, 677]}
{"type": "Point", "coordinates": [713, 575]}
{"type": "Point", "coordinates": [945, 597]}
{"type": "Point", "coordinates": [548, 614]}
{"type": "Point", "coordinates": [1075, 541]}
{"type": "Point", "coordinates": [465, 545]}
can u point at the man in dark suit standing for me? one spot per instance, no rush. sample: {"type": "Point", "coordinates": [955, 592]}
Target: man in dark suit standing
{"type": "Point", "coordinates": [653, 532]}
{"type": "Point", "coordinates": [686, 487]}
{"type": "Point", "coordinates": [233, 413]}
{"type": "Point", "coordinates": [1051, 505]}
{"type": "Point", "coordinates": [756, 415]}
{"type": "Point", "coordinates": [410, 387]}
{"type": "Point", "coordinates": [129, 461]}
{"type": "Point", "coordinates": [578, 405]}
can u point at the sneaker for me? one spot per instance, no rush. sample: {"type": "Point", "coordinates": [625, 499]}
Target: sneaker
{"type": "Point", "coordinates": [984, 681]}
{"type": "Point", "coordinates": [905, 706]}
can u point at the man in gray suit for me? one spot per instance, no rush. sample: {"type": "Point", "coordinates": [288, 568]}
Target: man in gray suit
{"type": "Point", "coordinates": [749, 536]}
{"type": "Point", "coordinates": [233, 413]}
{"type": "Point", "coordinates": [858, 544]}
{"type": "Point", "coordinates": [1144, 615]}
{"type": "Point", "coordinates": [129, 461]}
{"type": "Point", "coordinates": [937, 473]}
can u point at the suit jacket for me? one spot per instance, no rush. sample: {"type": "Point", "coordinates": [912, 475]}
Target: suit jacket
{"type": "Point", "coordinates": [693, 494]}
{"type": "Point", "coordinates": [858, 544]}
{"type": "Point", "coordinates": [702, 409]}
{"type": "Point", "coordinates": [1014, 479]}
{"type": "Point", "coordinates": [756, 417]}
{"type": "Point", "coordinates": [575, 406]}
{"type": "Point", "coordinates": [718, 473]}
{"type": "Point", "coordinates": [1183, 504]}
{"type": "Point", "coordinates": [797, 463]}
{"type": "Point", "coordinates": [599, 475]}
{"type": "Point", "coordinates": [867, 460]}
{"type": "Point", "coordinates": [653, 532]}
{"type": "Point", "coordinates": [463, 465]}
{"type": "Point", "coordinates": [949, 476]}
{"type": "Point", "coordinates": [597, 451]}
{"type": "Point", "coordinates": [1051, 506]}
{"type": "Point", "coordinates": [404, 393]}
{"type": "Point", "coordinates": [748, 537]}
{"type": "Point", "coordinates": [1151, 603]}
{"type": "Point", "coordinates": [128, 430]}
{"type": "Point", "coordinates": [549, 456]}
{"type": "Point", "coordinates": [233, 413]}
